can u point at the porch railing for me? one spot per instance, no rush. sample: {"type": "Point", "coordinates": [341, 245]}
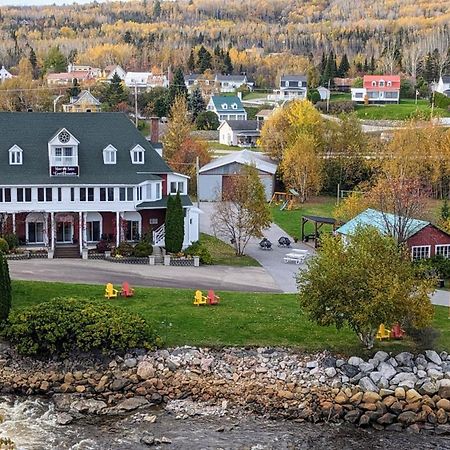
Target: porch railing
{"type": "Point", "coordinates": [159, 235]}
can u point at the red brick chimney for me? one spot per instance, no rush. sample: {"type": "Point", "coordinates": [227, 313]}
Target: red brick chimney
{"type": "Point", "coordinates": [154, 130]}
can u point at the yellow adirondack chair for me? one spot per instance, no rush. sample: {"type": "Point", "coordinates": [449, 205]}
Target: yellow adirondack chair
{"type": "Point", "coordinates": [383, 333]}
{"type": "Point", "coordinates": [110, 292]}
{"type": "Point", "coordinates": [199, 298]}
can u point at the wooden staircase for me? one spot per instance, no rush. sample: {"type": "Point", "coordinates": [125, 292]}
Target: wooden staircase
{"type": "Point", "coordinates": [67, 251]}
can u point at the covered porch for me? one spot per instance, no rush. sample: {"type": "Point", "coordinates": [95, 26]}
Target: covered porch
{"type": "Point", "coordinates": [318, 222]}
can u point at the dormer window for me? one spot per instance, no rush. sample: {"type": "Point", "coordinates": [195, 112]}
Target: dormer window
{"type": "Point", "coordinates": [374, 83]}
{"type": "Point", "coordinates": [389, 83]}
{"type": "Point", "coordinates": [224, 106]}
{"type": "Point", "coordinates": [63, 154]}
{"type": "Point", "coordinates": [381, 84]}
{"type": "Point", "coordinates": [137, 155]}
{"type": "Point", "coordinates": [234, 106]}
{"type": "Point", "coordinates": [15, 156]}
{"type": "Point", "coordinates": [109, 155]}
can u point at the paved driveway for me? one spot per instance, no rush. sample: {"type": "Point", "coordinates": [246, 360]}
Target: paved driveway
{"type": "Point", "coordinates": [253, 279]}
{"type": "Point", "coordinates": [283, 275]}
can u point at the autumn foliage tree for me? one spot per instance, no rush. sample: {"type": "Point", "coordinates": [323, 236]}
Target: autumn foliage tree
{"type": "Point", "coordinates": [243, 212]}
{"type": "Point", "coordinates": [363, 282]}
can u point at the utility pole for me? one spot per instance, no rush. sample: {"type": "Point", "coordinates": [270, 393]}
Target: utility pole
{"type": "Point", "coordinates": [197, 177]}
{"type": "Point", "coordinates": [135, 105]}
{"type": "Point", "coordinates": [432, 104]}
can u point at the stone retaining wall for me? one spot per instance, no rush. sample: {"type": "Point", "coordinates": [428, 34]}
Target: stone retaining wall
{"type": "Point", "coordinates": [385, 392]}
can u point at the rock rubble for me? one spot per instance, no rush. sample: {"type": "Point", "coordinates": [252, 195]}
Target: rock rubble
{"type": "Point", "coordinates": [390, 392]}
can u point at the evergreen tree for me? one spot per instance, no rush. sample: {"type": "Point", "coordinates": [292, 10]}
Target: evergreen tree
{"type": "Point", "coordinates": [330, 70]}
{"type": "Point", "coordinates": [191, 61]}
{"type": "Point", "coordinates": [5, 288]}
{"type": "Point", "coordinates": [373, 66]}
{"type": "Point", "coordinates": [114, 92]}
{"type": "Point", "coordinates": [228, 64]}
{"type": "Point", "coordinates": [344, 66]}
{"type": "Point", "coordinates": [323, 63]}
{"type": "Point", "coordinates": [204, 59]}
{"type": "Point", "coordinates": [75, 90]}
{"type": "Point", "coordinates": [196, 103]}
{"type": "Point", "coordinates": [177, 88]}
{"type": "Point", "coordinates": [72, 56]}
{"type": "Point", "coordinates": [33, 61]}
{"type": "Point", "coordinates": [445, 210]}
{"type": "Point", "coordinates": [366, 66]}
{"type": "Point", "coordinates": [55, 61]}
{"type": "Point", "coordinates": [174, 224]}
{"type": "Point", "coordinates": [156, 9]}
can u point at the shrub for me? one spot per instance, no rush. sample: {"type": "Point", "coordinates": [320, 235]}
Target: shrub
{"type": "Point", "coordinates": [103, 246]}
{"type": "Point", "coordinates": [174, 224]}
{"type": "Point", "coordinates": [143, 248]}
{"type": "Point", "coordinates": [198, 249]}
{"type": "Point", "coordinates": [424, 338]}
{"type": "Point", "coordinates": [313, 96]}
{"type": "Point", "coordinates": [207, 120]}
{"type": "Point", "coordinates": [339, 107]}
{"type": "Point", "coordinates": [5, 288]}
{"type": "Point", "coordinates": [4, 247]}
{"type": "Point", "coordinates": [124, 249]}
{"type": "Point", "coordinates": [12, 240]}
{"type": "Point", "coordinates": [441, 100]}
{"type": "Point", "coordinates": [63, 325]}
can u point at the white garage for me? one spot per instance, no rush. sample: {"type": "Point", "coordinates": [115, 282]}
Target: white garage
{"type": "Point", "coordinates": [215, 176]}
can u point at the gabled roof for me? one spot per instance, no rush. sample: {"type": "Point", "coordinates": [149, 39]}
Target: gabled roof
{"type": "Point", "coordinates": [85, 97]}
{"type": "Point", "coordinates": [245, 157]}
{"type": "Point", "coordinates": [162, 203]}
{"type": "Point", "coordinates": [95, 131]}
{"type": "Point", "coordinates": [79, 74]}
{"type": "Point", "coordinates": [241, 125]}
{"type": "Point", "coordinates": [293, 78]}
{"type": "Point", "coordinates": [192, 76]}
{"type": "Point", "coordinates": [380, 221]}
{"type": "Point", "coordinates": [218, 102]}
{"type": "Point", "coordinates": [236, 78]}
{"type": "Point", "coordinates": [394, 79]}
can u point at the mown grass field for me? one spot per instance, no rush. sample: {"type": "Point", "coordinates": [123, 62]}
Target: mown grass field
{"type": "Point", "coordinates": [290, 220]}
{"type": "Point", "coordinates": [241, 319]}
{"type": "Point", "coordinates": [405, 110]}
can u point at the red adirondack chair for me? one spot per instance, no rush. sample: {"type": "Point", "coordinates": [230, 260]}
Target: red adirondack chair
{"type": "Point", "coordinates": [126, 291]}
{"type": "Point", "coordinates": [213, 299]}
{"type": "Point", "coordinates": [397, 331]}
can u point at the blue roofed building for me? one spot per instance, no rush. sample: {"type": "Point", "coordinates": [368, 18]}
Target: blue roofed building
{"type": "Point", "coordinates": [227, 108]}
{"type": "Point", "coordinates": [423, 239]}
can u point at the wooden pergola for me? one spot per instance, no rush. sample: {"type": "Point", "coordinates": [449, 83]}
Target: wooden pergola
{"type": "Point", "coordinates": [318, 223]}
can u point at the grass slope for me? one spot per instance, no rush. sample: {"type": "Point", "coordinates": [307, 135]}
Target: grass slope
{"type": "Point", "coordinates": [242, 319]}
{"type": "Point", "coordinates": [224, 254]}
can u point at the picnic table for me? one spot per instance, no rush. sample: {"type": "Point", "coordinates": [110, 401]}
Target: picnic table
{"type": "Point", "coordinates": [296, 255]}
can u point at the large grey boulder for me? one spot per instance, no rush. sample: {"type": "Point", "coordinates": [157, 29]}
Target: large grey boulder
{"type": "Point", "coordinates": [368, 385]}
{"type": "Point", "coordinates": [386, 370]}
{"type": "Point", "coordinates": [405, 359]}
{"type": "Point", "coordinates": [433, 357]}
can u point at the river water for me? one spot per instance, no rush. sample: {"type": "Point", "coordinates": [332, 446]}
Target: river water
{"type": "Point", "coordinates": [32, 425]}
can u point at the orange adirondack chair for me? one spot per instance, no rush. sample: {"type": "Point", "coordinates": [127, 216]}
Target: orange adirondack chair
{"type": "Point", "coordinates": [126, 291]}
{"type": "Point", "coordinates": [199, 298]}
{"type": "Point", "coordinates": [213, 299]}
{"type": "Point", "coordinates": [110, 292]}
{"type": "Point", "coordinates": [397, 332]}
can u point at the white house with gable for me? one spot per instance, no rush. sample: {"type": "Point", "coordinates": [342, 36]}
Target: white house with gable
{"type": "Point", "coordinates": [4, 74]}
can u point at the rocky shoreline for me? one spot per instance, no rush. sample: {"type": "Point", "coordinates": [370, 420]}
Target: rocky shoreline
{"type": "Point", "coordinates": [388, 392]}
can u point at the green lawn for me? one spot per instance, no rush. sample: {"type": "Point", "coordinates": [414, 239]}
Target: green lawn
{"type": "Point", "coordinates": [290, 221]}
{"type": "Point", "coordinates": [340, 96]}
{"type": "Point", "coordinates": [254, 95]}
{"type": "Point", "coordinates": [216, 145]}
{"type": "Point", "coordinates": [402, 111]}
{"type": "Point", "coordinates": [241, 319]}
{"type": "Point", "coordinates": [224, 254]}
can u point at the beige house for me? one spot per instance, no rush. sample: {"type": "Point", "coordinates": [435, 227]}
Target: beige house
{"type": "Point", "coordinates": [84, 102]}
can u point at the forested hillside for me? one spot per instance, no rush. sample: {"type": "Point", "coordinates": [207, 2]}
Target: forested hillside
{"type": "Point", "coordinates": [263, 37]}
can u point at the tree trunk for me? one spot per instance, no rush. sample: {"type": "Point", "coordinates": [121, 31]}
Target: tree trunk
{"type": "Point", "coordinates": [367, 338]}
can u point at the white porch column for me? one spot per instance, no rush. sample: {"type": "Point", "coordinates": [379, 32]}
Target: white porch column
{"type": "Point", "coordinates": [52, 230]}
{"type": "Point", "coordinates": [80, 230]}
{"type": "Point", "coordinates": [14, 222]}
{"type": "Point", "coordinates": [46, 236]}
{"type": "Point", "coordinates": [117, 228]}
{"type": "Point", "coordinates": [85, 229]}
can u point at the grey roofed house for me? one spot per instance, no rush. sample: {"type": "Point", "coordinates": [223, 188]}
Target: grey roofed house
{"type": "Point", "coordinates": [33, 131]}
{"type": "Point", "coordinates": [235, 78]}
{"type": "Point", "coordinates": [215, 176]}
{"type": "Point", "coordinates": [243, 125]}
{"type": "Point", "coordinates": [293, 78]}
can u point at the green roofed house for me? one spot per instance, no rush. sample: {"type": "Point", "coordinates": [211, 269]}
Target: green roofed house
{"type": "Point", "coordinates": [422, 238]}
{"type": "Point", "coordinates": [73, 179]}
{"type": "Point", "coordinates": [227, 108]}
